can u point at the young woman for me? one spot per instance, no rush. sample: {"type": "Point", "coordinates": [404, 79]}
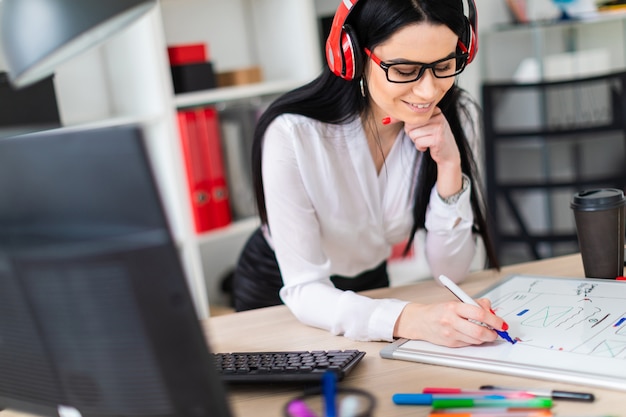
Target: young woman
{"type": "Point", "coordinates": [375, 148]}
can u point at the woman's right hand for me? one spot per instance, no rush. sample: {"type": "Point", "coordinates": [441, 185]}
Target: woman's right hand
{"type": "Point", "coordinates": [448, 324]}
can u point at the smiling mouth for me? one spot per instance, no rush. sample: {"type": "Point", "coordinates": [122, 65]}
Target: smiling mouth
{"type": "Point", "coordinates": [419, 106]}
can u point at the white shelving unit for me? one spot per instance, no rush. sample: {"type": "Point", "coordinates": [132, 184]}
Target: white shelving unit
{"type": "Point", "coordinates": [129, 77]}
{"type": "Point", "coordinates": [226, 94]}
{"type": "Point", "coordinates": [558, 48]}
{"type": "Point", "coordinates": [547, 50]}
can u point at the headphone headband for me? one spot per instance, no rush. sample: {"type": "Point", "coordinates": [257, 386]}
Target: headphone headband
{"type": "Point", "coordinates": [343, 54]}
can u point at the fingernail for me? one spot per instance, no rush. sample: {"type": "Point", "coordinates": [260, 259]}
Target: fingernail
{"type": "Point", "coordinates": [386, 120]}
{"type": "Point", "coordinates": [505, 326]}
{"type": "Point", "coordinates": [492, 312]}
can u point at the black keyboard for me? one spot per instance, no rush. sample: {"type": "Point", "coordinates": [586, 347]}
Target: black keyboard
{"type": "Point", "coordinates": [291, 366]}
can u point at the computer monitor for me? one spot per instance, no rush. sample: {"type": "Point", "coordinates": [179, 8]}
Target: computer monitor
{"type": "Point", "coordinates": [96, 318]}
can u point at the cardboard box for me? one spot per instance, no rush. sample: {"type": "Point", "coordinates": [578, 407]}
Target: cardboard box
{"type": "Point", "coordinates": [239, 77]}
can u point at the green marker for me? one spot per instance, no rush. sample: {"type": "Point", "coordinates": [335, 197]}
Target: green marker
{"type": "Point", "coordinates": [439, 403]}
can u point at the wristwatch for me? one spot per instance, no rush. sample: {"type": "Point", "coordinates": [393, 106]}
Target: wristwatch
{"type": "Point", "coordinates": [455, 197]}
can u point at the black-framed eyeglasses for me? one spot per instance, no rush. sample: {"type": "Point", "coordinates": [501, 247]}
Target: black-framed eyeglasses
{"type": "Point", "coordinates": [407, 72]}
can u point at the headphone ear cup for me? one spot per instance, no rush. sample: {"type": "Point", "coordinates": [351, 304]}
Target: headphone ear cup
{"type": "Point", "coordinates": [342, 51]}
{"type": "Point", "coordinates": [472, 42]}
{"type": "Point", "coordinates": [352, 55]}
{"type": "Point", "coordinates": [469, 41]}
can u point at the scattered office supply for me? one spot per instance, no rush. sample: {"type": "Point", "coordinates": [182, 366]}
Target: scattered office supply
{"type": "Point", "coordinates": [299, 408]}
{"type": "Point", "coordinates": [554, 394]}
{"type": "Point", "coordinates": [463, 297]}
{"type": "Point", "coordinates": [498, 390]}
{"type": "Point", "coordinates": [283, 367]}
{"type": "Point", "coordinates": [493, 412]}
{"type": "Point", "coordinates": [441, 390]}
{"type": "Point", "coordinates": [426, 399]}
{"type": "Point", "coordinates": [329, 389]}
{"type": "Point", "coordinates": [491, 402]}
{"type": "Point", "coordinates": [569, 330]}
{"type": "Point", "coordinates": [350, 402]}
{"type": "Point", "coordinates": [349, 406]}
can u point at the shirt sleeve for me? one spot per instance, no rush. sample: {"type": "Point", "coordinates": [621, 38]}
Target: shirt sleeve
{"type": "Point", "coordinates": [295, 237]}
{"type": "Point", "coordinates": [450, 245]}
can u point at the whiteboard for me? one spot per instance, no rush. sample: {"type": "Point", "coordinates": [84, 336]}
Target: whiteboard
{"type": "Point", "coordinates": [568, 329]}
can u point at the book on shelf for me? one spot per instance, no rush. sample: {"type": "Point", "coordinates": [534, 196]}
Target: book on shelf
{"type": "Point", "coordinates": [238, 122]}
{"type": "Point", "coordinates": [201, 142]}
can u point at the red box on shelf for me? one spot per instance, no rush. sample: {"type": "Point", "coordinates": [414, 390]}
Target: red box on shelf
{"type": "Point", "coordinates": [187, 54]}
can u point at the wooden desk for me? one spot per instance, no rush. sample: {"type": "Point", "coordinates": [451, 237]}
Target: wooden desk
{"type": "Point", "coordinates": [275, 328]}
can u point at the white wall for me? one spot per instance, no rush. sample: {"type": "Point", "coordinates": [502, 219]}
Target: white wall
{"type": "Point", "coordinates": [189, 22]}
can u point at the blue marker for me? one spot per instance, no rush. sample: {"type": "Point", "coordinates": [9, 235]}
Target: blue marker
{"type": "Point", "coordinates": [461, 295]}
{"type": "Point", "coordinates": [427, 399]}
{"type": "Point", "coordinates": [329, 389]}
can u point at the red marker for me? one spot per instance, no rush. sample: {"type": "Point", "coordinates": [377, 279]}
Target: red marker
{"type": "Point", "coordinates": [459, 391]}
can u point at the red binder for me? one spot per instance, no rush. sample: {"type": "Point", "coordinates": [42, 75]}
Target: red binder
{"type": "Point", "coordinates": [202, 149]}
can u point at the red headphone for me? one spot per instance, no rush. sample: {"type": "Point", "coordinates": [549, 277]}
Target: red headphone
{"type": "Point", "coordinates": [343, 53]}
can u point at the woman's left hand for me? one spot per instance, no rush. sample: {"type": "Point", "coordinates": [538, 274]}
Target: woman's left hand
{"type": "Point", "coordinates": [436, 136]}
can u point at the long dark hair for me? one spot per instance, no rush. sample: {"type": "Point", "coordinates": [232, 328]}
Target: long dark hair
{"type": "Point", "coordinates": [331, 99]}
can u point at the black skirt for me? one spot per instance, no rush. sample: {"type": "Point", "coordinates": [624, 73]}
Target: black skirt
{"type": "Point", "coordinates": [257, 279]}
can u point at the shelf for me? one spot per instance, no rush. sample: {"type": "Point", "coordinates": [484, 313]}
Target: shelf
{"type": "Point", "coordinates": [225, 94]}
{"type": "Point", "coordinates": [554, 49]}
{"type": "Point", "coordinates": [555, 133]}
{"type": "Point", "coordinates": [235, 228]}
{"type": "Point", "coordinates": [554, 184]}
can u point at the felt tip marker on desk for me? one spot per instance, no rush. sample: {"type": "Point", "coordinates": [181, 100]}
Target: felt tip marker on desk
{"type": "Point", "coordinates": [463, 297]}
{"type": "Point", "coordinates": [329, 389]}
{"type": "Point", "coordinates": [427, 399]}
{"type": "Point", "coordinates": [487, 402]}
{"type": "Point", "coordinates": [554, 394]}
{"type": "Point", "coordinates": [497, 413]}
{"type": "Point", "coordinates": [460, 391]}
{"type": "Point", "coordinates": [299, 408]}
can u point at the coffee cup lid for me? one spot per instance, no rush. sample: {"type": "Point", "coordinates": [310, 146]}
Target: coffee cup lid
{"type": "Point", "coordinates": [598, 199]}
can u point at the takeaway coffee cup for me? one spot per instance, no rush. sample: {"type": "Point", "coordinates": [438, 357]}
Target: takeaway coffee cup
{"type": "Point", "coordinates": [599, 216]}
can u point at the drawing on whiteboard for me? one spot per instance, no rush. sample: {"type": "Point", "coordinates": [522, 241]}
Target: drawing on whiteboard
{"type": "Point", "coordinates": [562, 315]}
{"type": "Point", "coordinates": [570, 330]}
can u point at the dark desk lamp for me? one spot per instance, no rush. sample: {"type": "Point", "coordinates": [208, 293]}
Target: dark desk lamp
{"type": "Point", "coordinates": [38, 35]}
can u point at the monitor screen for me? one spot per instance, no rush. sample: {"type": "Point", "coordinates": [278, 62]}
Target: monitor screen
{"type": "Point", "coordinates": [96, 318]}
